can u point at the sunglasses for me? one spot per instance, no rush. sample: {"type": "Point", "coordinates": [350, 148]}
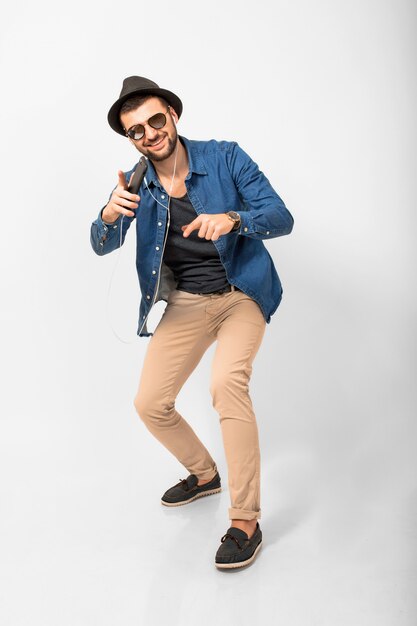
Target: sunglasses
{"type": "Point", "coordinates": [157, 121]}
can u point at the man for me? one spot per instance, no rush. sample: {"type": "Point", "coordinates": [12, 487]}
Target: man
{"type": "Point", "coordinates": [201, 215]}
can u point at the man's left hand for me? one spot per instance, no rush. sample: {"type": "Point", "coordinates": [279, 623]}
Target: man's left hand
{"type": "Point", "coordinates": [210, 226]}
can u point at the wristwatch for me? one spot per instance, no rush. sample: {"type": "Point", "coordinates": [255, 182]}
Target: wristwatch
{"type": "Point", "coordinates": [235, 217]}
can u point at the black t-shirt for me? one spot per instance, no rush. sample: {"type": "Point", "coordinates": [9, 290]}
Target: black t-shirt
{"type": "Point", "coordinates": [194, 261]}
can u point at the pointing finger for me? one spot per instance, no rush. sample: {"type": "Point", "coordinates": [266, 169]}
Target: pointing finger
{"type": "Point", "coordinates": [188, 228]}
{"type": "Point", "coordinates": [122, 179]}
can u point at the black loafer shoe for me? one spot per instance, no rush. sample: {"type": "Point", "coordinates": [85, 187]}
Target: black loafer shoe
{"type": "Point", "coordinates": [237, 549]}
{"type": "Point", "coordinates": [187, 490]}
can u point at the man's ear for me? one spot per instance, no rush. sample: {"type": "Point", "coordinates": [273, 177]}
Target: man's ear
{"type": "Point", "coordinates": [173, 114]}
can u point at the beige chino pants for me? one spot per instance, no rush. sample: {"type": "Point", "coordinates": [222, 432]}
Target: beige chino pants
{"type": "Point", "coordinates": [189, 325]}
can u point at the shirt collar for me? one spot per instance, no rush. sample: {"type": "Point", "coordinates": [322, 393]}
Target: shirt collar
{"type": "Point", "coordinates": [195, 162]}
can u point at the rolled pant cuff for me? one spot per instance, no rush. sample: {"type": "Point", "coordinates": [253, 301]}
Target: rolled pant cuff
{"type": "Point", "coordinates": [209, 474]}
{"type": "Point", "coordinates": [244, 514]}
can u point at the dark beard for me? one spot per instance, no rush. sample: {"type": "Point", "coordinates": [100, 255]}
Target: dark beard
{"type": "Point", "coordinates": [171, 147]}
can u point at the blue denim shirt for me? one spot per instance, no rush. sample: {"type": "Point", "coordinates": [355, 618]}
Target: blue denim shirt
{"type": "Point", "coordinates": [221, 178]}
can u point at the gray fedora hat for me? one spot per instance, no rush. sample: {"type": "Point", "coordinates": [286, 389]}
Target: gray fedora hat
{"type": "Point", "coordinates": [139, 86]}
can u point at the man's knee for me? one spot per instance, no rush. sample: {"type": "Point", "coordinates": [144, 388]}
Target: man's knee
{"type": "Point", "coordinates": [227, 386]}
{"type": "Point", "coordinates": [145, 405]}
{"type": "Point", "coordinates": [152, 407]}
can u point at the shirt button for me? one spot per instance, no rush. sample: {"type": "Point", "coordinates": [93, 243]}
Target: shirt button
{"type": "Point", "coordinates": [156, 247]}
{"type": "Point", "coordinates": [245, 229]}
{"type": "Point", "coordinates": [267, 232]}
{"type": "Point", "coordinates": [114, 226]}
{"type": "Point", "coordinates": [162, 197]}
{"type": "Point", "coordinates": [153, 271]}
{"type": "Point", "coordinates": [143, 317]}
{"type": "Point", "coordinates": [159, 223]}
{"type": "Point", "coordinates": [148, 297]}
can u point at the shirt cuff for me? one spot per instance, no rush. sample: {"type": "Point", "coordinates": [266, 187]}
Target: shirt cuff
{"type": "Point", "coordinates": [246, 223]}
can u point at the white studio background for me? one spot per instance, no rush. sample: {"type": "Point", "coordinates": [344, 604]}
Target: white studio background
{"type": "Point", "coordinates": [322, 96]}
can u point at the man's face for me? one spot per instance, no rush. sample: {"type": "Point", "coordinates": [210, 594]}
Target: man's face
{"type": "Point", "coordinates": [156, 144]}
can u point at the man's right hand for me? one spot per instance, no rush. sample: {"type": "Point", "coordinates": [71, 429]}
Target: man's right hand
{"type": "Point", "coordinates": [120, 199]}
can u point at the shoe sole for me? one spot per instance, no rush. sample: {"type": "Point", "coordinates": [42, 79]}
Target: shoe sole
{"type": "Point", "coordinates": [242, 563]}
{"type": "Point", "coordinates": [209, 492]}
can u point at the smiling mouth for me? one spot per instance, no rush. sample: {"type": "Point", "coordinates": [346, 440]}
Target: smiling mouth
{"type": "Point", "coordinates": [153, 145]}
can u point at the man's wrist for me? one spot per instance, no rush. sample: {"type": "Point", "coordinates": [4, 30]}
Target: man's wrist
{"type": "Point", "coordinates": [235, 218]}
{"type": "Point", "coordinates": [107, 221]}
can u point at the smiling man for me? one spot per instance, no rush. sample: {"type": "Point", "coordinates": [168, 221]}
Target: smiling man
{"type": "Point", "coordinates": [202, 214]}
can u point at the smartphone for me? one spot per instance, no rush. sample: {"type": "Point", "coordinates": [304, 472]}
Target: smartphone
{"type": "Point", "coordinates": [138, 176]}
